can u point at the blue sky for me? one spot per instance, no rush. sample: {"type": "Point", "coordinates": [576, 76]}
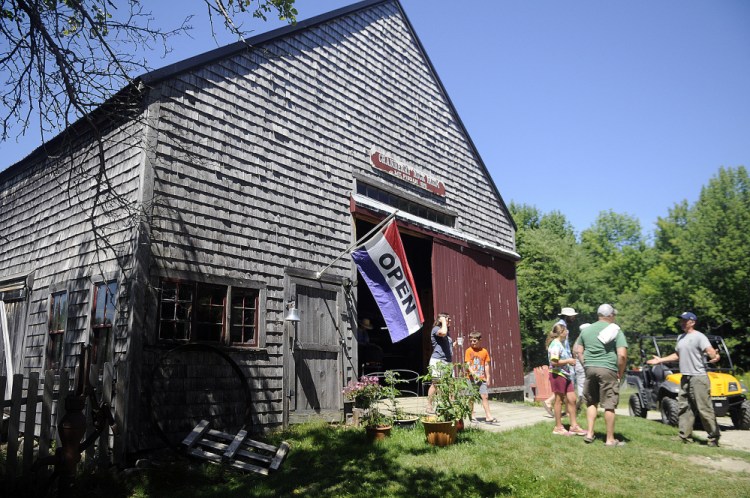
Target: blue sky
{"type": "Point", "coordinates": [576, 106]}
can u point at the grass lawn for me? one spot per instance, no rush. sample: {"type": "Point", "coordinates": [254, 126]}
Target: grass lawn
{"type": "Point", "coordinates": [328, 461]}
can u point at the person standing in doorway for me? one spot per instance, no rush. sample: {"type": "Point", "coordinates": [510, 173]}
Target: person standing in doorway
{"type": "Point", "coordinates": [567, 320]}
{"type": "Point", "coordinates": [605, 354]}
{"type": "Point", "coordinates": [694, 397]}
{"type": "Point", "coordinates": [442, 352]}
{"type": "Point", "coordinates": [370, 354]}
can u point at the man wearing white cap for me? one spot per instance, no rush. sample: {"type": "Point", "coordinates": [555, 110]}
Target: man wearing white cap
{"type": "Point", "coordinates": [567, 320]}
{"type": "Point", "coordinates": [694, 397]}
{"type": "Point", "coordinates": [605, 353]}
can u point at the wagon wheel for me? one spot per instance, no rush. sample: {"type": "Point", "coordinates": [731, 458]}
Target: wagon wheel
{"type": "Point", "coordinates": [195, 382]}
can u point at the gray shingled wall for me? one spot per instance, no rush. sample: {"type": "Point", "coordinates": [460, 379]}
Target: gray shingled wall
{"type": "Point", "coordinates": [46, 220]}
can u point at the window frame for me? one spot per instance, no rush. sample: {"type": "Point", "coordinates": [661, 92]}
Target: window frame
{"type": "Point", "coordinates": [230, 287]}
{"type": "Point", "coordinates": [55, 344]}
{"type": "Point", "coordinates": [98, 330]}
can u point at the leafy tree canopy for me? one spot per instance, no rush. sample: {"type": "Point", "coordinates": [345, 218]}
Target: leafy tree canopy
{"type": "Point", "coordinates": [698, 261]}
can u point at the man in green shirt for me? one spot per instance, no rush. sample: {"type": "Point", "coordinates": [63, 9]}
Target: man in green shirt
{"type": "Point", "coordinates": [605, 352]}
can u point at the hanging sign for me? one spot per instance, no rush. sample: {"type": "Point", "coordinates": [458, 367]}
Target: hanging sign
{"type": "Point", "coordinates": [403, 171]}
{"type": "Point", "coordinates": [382, 263]}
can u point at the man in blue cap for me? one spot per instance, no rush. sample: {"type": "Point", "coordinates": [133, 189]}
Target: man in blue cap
{"type": "Point", "coordinates": [694, 397]}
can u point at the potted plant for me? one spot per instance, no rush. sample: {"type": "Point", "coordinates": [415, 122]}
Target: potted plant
{"type": "Point", "coordinates": [366, 393]}
{"type": "Point", "coordinates": [400, 417]}
{"type": "Point", "coordinates": [452, 402]}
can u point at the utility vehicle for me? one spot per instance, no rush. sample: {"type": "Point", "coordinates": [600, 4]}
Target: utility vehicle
{"type": "Point", "coordinates": [658, 385]}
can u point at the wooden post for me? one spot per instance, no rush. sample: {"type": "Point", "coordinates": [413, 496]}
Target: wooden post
{"type": "Point", "coordinates": [63, 391]}
{"type": "Point", "coordinates": [32, 394]}
{"type": "Point", "coordinates": [11, 458]}
{"type": "Point", "coordinates": [120, 394]}
{"type": "Point", "coordinates": [104, 460]}
{"type": "Point", "coordinates": [45, 420]}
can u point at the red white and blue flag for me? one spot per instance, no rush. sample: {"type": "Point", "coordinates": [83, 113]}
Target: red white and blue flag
{"type": "Point", "coordinates": [382, 263]}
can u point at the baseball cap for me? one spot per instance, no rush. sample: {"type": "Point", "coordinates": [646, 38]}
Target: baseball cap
{"type": "Point", "coordinates": [687, 315]}
{"type": "Point", "coordinates": [606, 310]}
{"type": "Point", "coordinates": [568, 312]}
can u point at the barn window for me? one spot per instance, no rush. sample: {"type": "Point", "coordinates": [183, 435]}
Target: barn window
{"type": "Point", "coordinates": [197, 312]}
{"type": "Point", "coordinates": [103, 316]}
{"type": "Point", "coordinates": [405, 205]}
{"type": "Point", "coordinates": [244, 317]}
{"type": "Point", "coordinates": [58, 317]}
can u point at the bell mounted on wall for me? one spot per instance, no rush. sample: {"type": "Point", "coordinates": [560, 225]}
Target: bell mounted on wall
{"type": "Point", "coordinates": [293, 313]}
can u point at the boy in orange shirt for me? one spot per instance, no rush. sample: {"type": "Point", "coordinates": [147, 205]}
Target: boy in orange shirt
{"type": "Point", "coordinates": [477, 361]}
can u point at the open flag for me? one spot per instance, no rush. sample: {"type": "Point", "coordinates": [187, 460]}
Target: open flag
{"type": "Point", "coordinates": [382, 263]}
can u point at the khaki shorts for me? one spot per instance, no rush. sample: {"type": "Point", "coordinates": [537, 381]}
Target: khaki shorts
{"type": "Point", "coordinates": [601, 388]}
{"type": "Point", "coordinates": [436, 371]}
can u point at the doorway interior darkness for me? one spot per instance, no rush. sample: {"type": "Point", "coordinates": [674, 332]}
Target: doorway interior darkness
{"type": "Point", "coordinates": [413, 352]}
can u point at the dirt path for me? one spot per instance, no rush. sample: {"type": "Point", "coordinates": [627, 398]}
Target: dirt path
{"type": "Point", "coordinates": [730, 437]}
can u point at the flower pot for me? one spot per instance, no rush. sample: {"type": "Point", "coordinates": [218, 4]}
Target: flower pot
{"type": "Point", "coordinates": [377, 433]}
{"type": "Point", "coordinates": [460, 425]}
{"type": "Point", "coordinates": [440, 433]}
{"type": "Point", "coordinates": [406, 423]}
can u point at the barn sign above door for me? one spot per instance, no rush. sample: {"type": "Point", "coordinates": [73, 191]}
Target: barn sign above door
{"type": "Point", "coordinates": [403, 171]}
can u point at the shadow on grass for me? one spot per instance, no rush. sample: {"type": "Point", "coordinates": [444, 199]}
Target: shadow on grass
{"type": "Point", "coordinates": [343, 462]}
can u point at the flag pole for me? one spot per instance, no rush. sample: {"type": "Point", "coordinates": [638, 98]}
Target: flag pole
{"type": "Point", "coordinates": [357, 243]}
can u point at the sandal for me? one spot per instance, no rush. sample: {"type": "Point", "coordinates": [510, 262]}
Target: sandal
{"type": "Point", "coordinates": [491, 420]}
{"type": "Point", "coordinates": [615, 443]}
{"type": "Point", "coordinates": [548, 410]}
{"type": "Point", "coordinates": [589, 440]}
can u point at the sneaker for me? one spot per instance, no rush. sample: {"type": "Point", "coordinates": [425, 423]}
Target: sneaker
{"type": "Point", "coordinates": [578, 431]}
{"type": "Point", "coordinates": [561, 432]}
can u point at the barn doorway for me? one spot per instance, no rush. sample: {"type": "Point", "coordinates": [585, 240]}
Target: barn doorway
{"type": "Point", "coordinates": [412, 353]}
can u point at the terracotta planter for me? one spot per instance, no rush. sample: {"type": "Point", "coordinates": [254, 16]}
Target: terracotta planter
{"type": "Point", "coordinates": [378, 433]}
{"type": "Point", "coordinates": [440, 433]}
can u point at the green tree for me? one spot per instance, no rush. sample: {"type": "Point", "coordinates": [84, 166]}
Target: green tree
{"type": "Point", "coordinates": [549, 275]}
{"type": "Point", "coordinates": [616, 245]}
{"type": "Point", "coordinates": [713, 258]}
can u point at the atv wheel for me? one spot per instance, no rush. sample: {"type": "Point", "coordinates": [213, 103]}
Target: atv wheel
{"type": "Point", "coordinates": [669, 411]}
{"type": "Point", "coordinates": [741, 416]}
{"type": "Point", "coordinates": [635, 407]}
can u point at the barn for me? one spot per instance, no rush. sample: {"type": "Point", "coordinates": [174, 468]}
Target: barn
{"type": "Point", "coordinates": [176, 227]}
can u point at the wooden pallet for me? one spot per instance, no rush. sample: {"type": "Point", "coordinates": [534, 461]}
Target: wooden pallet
{"type": "Point", "coordinates": [237, 451]}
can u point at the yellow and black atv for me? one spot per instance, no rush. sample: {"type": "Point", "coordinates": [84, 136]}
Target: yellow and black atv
{"type": "Point", "coordinates": [658, 384]}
